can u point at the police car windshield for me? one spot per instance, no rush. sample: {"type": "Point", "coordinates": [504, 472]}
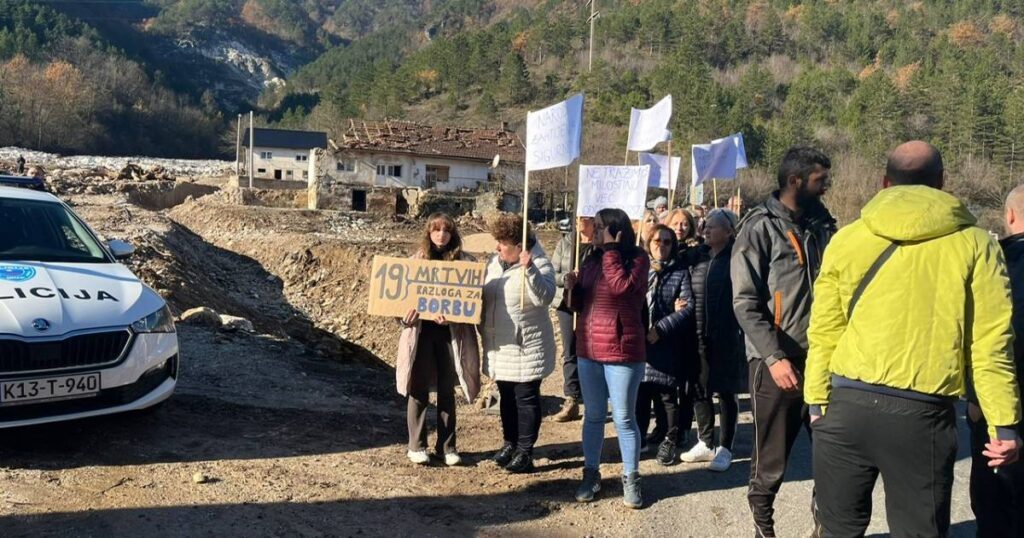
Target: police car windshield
{"type": "Point", "coordinates": [32, 230]}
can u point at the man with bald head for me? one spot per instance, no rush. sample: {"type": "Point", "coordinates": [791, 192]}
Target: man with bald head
{"type": "Point", "coordinates": [912, 301]}
{"type": "Point", "coordinates": [998, 498]}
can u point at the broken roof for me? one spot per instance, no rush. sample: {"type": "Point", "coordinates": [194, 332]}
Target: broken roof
{"type": "Point", "coordinates": [427, 140]}
{"type": "Point", "coordinates": [285, 138]}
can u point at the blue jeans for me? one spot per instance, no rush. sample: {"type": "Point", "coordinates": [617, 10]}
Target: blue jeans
{"type": "Point", "coordinates": [619, 382]}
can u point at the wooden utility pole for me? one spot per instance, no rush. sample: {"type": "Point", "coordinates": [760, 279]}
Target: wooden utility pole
{"type": "Point", "coordinates": [593, 16]}
{"type": "Point", "coordinates": [252, 136]}
{"type": "Point", "coordinates": [238, 148]}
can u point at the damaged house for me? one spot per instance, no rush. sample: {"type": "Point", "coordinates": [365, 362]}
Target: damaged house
{"type": "Point", "coordinates": [406, 167]}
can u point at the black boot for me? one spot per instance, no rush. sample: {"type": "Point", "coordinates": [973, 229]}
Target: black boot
{"type": "Point", "coordinates": [522, 462]}
{"type": "Point", "coordinates": [503, 456]}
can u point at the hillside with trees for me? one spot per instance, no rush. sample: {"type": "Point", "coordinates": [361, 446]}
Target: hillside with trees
{"type": "Point", "coordinates": [853, 77]}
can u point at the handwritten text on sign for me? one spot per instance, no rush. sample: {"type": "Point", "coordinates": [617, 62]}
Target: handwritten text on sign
{"type": "Point", "coordinates": [622, 187]}
{"type": "Point", "coordinates": [553, 134]}
{"type": "Point", "coordinates": [433, 288]}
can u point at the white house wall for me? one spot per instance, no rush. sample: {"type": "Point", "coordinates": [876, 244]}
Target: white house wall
{"type": "Point", "coordinates": [462, 174]}
{"type": "Point", "coordinates": [282, 159]}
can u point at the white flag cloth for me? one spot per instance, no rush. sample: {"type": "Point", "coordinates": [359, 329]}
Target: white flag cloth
{"type": "Point", "coordinates": [714, 161]}
{"type": "Point", "coordinates": [650, 126]}
{"type": "Point", "coordinates": [741, 152]}
{"type": "Point", "coordinates": [659, 173]}
{"type": "Point", "coordinates": [553, 134]}
{"type": "Point", "coordinates": [622, 187]}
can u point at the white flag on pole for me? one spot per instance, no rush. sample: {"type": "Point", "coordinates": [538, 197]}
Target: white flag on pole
{"type": "Point", "coordinates": [714, 161]}
{"type": "Point", "coordinates": [659, 173]}
{"type": "Point", "coordinates": [648, 127]}
{"type": "Point", "coordinates": [622, 187]}
{"type": "Point", "coordinates": [741, 152]}
{"type": "Point", "coordinates": [553, 134]}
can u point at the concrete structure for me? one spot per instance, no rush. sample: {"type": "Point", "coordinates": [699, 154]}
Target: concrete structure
{"type": "Point", "coordinates": [405, 156]}
{"type": "Point", "coordinates": [281, 154]}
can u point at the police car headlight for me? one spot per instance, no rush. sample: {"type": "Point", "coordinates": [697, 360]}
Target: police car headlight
{"type": "Point", "coordinates": [161, 321]}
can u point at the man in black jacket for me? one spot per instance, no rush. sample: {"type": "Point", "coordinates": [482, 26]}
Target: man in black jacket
{"type": "Point", "coordinates": [998, 498]}
{"type": "Point", "coordinates": [774, 263]}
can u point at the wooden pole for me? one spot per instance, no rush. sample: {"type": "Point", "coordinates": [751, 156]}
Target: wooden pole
{"type": "Point", "coordinates": [526, 226]}
{"type": "Point", "coordinates": [714, 183]}
{"type": "Point", "coordinates": [576, 263]}
{"type": "Point", "coordinates": [251, 153]}
{"type": "Point", "coordinates": [672, 182]}
{"type": "Point", "coordinates": [593, 16]}
{"type": "Point", "coordinates": [625, 160]}
{"type": "Point", "coordinates": [238, 147]}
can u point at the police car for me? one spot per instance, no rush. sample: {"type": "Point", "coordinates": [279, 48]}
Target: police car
{"type": "Point", "coordinates": [80, 335]}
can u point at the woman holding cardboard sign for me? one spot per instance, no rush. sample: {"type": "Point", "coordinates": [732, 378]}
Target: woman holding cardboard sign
{"type": "Point", "coordinates": [436, 354]}
{"type": "Point", "coordinates": [519, 342]}
{"type": "Point", "coordinates": [610, 292]}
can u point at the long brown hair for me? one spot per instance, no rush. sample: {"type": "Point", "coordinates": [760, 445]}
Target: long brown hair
{"type": "Point", "coordinates": [691, 224]}
{"type": "Point", "coordinates": [451, 251]}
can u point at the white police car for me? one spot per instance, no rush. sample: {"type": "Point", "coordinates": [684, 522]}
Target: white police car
{"type": "Point", "coordinates": [80, 335]}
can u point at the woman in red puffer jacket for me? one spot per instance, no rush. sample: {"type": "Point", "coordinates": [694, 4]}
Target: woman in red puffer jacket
{"type": "Point", "coordinates": [609, 292]}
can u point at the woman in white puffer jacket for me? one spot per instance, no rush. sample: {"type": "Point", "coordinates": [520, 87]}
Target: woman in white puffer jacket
{"type": "Point", "coordinates": [519, 342]}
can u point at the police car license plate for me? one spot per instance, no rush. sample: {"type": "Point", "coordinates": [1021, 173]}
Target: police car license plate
{"type": "Point", "coordinates": [49, 388]}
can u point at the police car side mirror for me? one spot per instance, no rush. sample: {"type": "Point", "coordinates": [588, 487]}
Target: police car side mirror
{"type": "Point", "coordinates": [120, 249]}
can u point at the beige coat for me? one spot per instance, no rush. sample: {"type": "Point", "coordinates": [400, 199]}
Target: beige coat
{"type": "Point", "coordinates": [464, 348]}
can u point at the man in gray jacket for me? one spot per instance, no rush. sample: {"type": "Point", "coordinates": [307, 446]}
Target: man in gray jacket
{"type": "Point", "coordinates": [774, 263]}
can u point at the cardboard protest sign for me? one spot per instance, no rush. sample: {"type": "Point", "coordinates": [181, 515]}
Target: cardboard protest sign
{"type": "Point", "coordinates": [433, 288]}
{"type": "Point", "coordinates": [623, 187]}
{"type": "Point", "coordinates": [714, 161]}
{"type": "Point", "coordinates": [659, 170]}
{"type": "Point", "coordinates": [648, 127]}
{"type": "Point", "coordinates": [553, 134]}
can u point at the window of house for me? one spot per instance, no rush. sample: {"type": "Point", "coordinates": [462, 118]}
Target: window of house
{"type": "Point", "coordinates": [266, 155]}
{"type": "Point", "coordinates": [288, 173]}
{"type": "Point", "coordinates": [437, 174]}
{"type": "Point", "coordinates": [301, 158]}
{"type": "Point", "coordinates": [261, 170]}
{"type": "Point", "coordinates": [389, 170]}
{"type": "Point", "coordinates": [346, 166]}
{"type": "Point", "coordinates": [305, 174]}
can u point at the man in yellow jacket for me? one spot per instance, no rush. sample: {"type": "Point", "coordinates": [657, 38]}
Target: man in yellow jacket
{"type": "Point", "coordinates": [912, 299]}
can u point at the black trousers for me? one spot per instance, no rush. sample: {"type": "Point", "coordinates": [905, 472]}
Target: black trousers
{"type": "Point", "coordinates": [997, 499]}
{"type": "Point", "coordinates": [692, 394]}
{"type": "Point", "coordinates": [912, 444]}
{"type": "Point", "coordinates": [665, 400]}
{"type": "Point", "coordinates": [520, 413]}
{"type": "Point", "coordinates": [778, 418]}
{"type": "Point", "coordinates": [571, 378]}
{"type": "Point", "coordinates": [433, 366]}
{"type": "Point", "coordinates": [728, 417]}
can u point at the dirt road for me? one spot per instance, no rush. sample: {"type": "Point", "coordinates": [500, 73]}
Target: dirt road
{"type": "Point", "coordinates": [293, 444]}
{"type": "Point", "coordinates": [302, 434]}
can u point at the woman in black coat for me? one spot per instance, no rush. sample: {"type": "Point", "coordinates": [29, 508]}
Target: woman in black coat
{"type": "Point", "coordinates": [720, 346]}
{"type": "Point", "coordinates": [670, 332]}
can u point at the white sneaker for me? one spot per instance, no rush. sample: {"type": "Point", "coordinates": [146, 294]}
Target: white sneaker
{"type": "Point", "coordinates": [452, 459]}
{"type": "Point", "coordinates": [722, 460]}
{"type": "Point", "coordinates": [699, 452]}
{"type": "Point", "coordinates": [418, 457]}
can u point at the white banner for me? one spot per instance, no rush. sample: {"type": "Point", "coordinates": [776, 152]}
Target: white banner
{"type": "Point", "coordinates": [553, 134]}
{"type": "Point", "coordinates": [622, 187]}
{"type": "Point", "coordinates": [659, 175]}
{"type": "Point", "coordinates": [713, 161]}
{"type": "Point", "coordinates": [741, 152]}
{"type": "Point", "coordinates": [649, 127]}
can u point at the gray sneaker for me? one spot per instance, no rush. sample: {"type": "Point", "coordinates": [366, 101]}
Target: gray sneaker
{"type": "Point", "coordinates": [631, 495]}
{"type": "Point", "coordinates": [590, 486]}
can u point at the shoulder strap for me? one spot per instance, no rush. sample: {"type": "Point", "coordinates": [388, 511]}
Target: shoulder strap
{"type": "Point", "coordinates": [872, 271]}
